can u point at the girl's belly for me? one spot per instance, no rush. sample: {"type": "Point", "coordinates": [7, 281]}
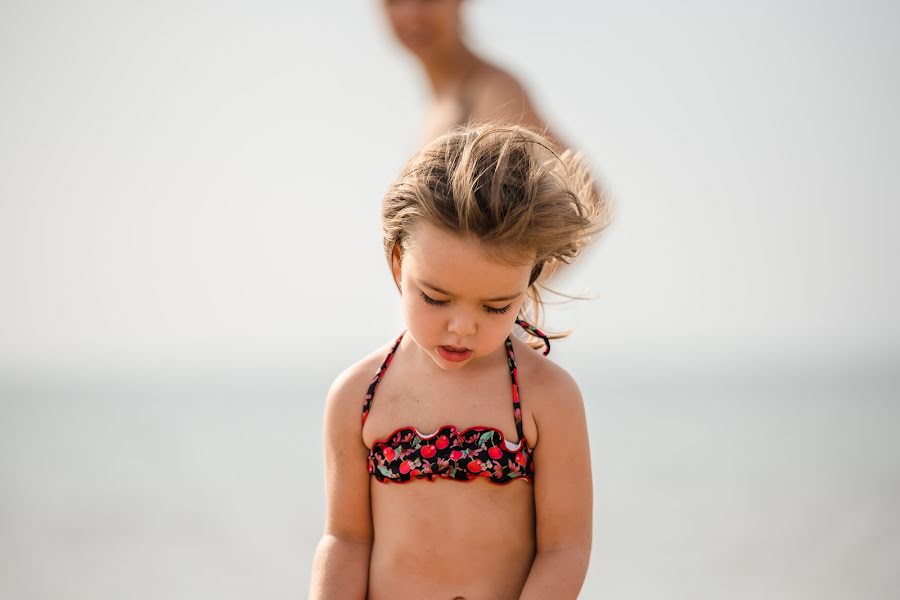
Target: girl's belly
{"type": "Point", "coordinates": [450, 539]}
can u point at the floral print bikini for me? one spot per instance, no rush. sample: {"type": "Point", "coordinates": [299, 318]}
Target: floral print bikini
{"type": "Point", "coordinates": [465, 455]}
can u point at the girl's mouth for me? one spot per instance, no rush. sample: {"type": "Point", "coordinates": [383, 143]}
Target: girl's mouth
{"type": "Point", "coordinates": [453, 353]}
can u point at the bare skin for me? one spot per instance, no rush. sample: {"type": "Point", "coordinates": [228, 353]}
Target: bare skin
{"type": "Point", "coordinates": [464, 86]}
{"type": "Point", "coordinates": [450, 539]}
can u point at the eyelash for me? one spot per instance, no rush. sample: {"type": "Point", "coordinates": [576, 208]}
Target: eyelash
{"type": "Point", "coordinates": [496, 311]}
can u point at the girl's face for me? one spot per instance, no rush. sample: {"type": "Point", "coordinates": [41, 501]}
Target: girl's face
{"type": "Point", "coordinates": [459, 302]}
{"type": "Point", "coordinates": [424, 26]}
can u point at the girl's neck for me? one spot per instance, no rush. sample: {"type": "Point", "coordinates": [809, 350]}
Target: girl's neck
{"type": "Point", "coordinates": [420, 360]}
{"type": "Point", "coordinates": [447, 70]}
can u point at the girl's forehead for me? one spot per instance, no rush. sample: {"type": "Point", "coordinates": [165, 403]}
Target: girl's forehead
{"type": "Point", "coordinates": [428, 240]}
{"type": "Point", "coordinates": [463, 262]}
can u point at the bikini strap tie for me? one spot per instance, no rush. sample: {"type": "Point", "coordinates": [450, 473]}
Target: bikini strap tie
{"type": "Point", "coordinates": [535, 332]}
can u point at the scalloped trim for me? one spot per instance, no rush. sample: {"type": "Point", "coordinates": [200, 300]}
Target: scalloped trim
{"type": "Point", "coordinates": [388, 480]}
{"type": "Point", "coordinates": [506, 443]}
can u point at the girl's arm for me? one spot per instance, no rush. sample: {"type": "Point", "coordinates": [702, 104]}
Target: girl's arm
{"type": "Point", "coordinates": [340, 567]}
{"type": "Point", "coordinates": [563, 494]}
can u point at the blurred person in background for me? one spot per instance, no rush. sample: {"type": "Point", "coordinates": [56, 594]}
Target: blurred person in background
{"type": "Point", "coordinates": [464, 86]}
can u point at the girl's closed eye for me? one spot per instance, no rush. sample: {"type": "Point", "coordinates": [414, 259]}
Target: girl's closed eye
{"type": "Point", "coordinates": [429, 300]}
{"type": "Point", "coordinates": [491, 309]}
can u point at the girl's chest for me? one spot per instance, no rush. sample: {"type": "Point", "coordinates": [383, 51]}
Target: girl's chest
{"type": "Point", "coordinates": [428, 405]}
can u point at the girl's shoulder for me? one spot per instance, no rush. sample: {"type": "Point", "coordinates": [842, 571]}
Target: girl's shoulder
{"type": "Point", "coordinates": [348, 390]}
{"type": "Point", "coordinates": [546, 388]}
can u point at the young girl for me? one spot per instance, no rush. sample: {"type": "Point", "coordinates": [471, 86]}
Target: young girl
{"type": "Point", "coordinates": [456, 456]}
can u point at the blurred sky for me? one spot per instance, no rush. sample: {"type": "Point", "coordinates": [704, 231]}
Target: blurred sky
{"type": "Point", "coordinates": [194, 183]}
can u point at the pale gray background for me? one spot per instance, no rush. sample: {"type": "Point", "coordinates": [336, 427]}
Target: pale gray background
{"type": "Point", "coordinates": [190, 252]}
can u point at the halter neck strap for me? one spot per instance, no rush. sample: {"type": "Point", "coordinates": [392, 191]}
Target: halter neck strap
{"type": "Point", "coordinates": [511, 361]}
{"type": "Point", "coordinates": [535, 332]}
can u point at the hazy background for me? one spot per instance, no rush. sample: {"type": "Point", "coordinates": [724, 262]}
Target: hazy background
{"type": "Point", "coordinates": [190, 252]}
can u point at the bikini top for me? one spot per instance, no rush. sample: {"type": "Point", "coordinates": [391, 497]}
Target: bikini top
{"type": "Point", "coordinates": [465, 455]}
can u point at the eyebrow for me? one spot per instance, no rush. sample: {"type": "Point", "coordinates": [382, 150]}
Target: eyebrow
{"type": "Point", "coordinates": [446, 293]}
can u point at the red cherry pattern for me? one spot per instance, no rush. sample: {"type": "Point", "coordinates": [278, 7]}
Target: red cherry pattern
{"type": "Point", "coordinates": [450, 454]}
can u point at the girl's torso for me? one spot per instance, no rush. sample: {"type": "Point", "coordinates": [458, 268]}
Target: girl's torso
{"type": "Point", "coordinates": [446, 538]}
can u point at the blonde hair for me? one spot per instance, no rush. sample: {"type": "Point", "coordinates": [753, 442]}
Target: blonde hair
{"type": "Point", "coordinates": [505, 186]}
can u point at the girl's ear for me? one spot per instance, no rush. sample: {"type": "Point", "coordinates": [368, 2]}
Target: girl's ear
{"type": "Point", "coordinates": [396, 263]}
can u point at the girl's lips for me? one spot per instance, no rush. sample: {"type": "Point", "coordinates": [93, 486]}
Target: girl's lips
{"type": "Point", "coordinates": [453, 353]}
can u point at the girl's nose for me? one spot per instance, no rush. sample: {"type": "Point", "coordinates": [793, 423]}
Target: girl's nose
{"type": "Point", "coordinates": [462, 325]}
